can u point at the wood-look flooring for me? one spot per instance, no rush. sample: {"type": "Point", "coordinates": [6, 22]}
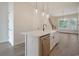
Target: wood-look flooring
{"type": "Point", "coordinates": [7, 50]}
{"type": "Point", "coordinates": [68, 46]}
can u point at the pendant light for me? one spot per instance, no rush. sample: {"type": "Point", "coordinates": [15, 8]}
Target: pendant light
{"type": "Point", "coordinates": [36, 9]}
{"type": "Point", "coordinates": [47, 15]}
{"type": "Point", "coordinates": [43, 13]}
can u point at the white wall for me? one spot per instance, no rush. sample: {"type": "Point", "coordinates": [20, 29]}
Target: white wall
{"type": "Point", "coordinates": [26, 20]}
{"type": "Point", "coordinates": [3, 21]}
{"type": "Point", "coordinates": [23, 21]}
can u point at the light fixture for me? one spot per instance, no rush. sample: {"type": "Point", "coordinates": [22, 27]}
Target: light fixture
{"type": "Point", "coordinates": [47, 15]}
{"type": "Point", "coordinates": [43, 13]}
{"type": "Point", "coordinates": [36, 9]}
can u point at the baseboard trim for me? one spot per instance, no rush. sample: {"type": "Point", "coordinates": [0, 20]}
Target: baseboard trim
{"type": "Point", "coordinates": [20, 45]}
{"type": "Point", "coordinates": [3, 41]}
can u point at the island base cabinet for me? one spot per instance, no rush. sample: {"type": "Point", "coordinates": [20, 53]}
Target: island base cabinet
{"type": "Point", "coordinates": [44, 45]}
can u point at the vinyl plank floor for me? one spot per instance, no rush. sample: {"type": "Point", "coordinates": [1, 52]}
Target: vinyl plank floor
{"type": "Point", "coordinates": [68, 46]}
{"type": "Point", "coordinates": [7, 50]}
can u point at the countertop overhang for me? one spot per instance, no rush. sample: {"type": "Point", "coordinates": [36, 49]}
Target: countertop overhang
{"type": "Point", "coordinates": [39, 33]}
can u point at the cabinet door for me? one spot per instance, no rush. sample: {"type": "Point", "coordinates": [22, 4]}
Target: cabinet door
{"type": "Point", "coordinates": [45, 42]}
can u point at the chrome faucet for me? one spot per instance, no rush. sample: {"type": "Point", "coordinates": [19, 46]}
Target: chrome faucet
{"type": "Point", "coordinates": [44, 26]}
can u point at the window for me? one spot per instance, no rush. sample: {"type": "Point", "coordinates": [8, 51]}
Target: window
{"type": "Point", "coordinates": [73, 24]}
{"type": "Point", "coordinates": [68, 24]}
{"type": "Point", "coordinates": [63, 24]}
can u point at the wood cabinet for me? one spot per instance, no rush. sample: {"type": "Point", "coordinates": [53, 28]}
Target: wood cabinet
{"type": "Point", "coordinates": [44, 45]}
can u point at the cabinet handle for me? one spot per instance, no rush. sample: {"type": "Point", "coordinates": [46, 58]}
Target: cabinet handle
{"type": "Point", "coordinates": [53, 37]}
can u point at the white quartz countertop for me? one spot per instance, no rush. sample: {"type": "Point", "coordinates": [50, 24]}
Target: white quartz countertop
{"type": "Point", "coordinates": [39, 33]}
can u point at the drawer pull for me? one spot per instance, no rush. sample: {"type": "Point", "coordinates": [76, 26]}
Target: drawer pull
{"type": "Point", "coordinates": [53, 37]}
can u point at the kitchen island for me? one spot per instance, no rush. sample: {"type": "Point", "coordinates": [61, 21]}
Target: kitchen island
{"type": "Point", "coordinates": [35, 39]}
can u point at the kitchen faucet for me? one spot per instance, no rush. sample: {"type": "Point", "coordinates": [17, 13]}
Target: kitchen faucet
{"type": "Point", "coordinates": [44, 26]}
